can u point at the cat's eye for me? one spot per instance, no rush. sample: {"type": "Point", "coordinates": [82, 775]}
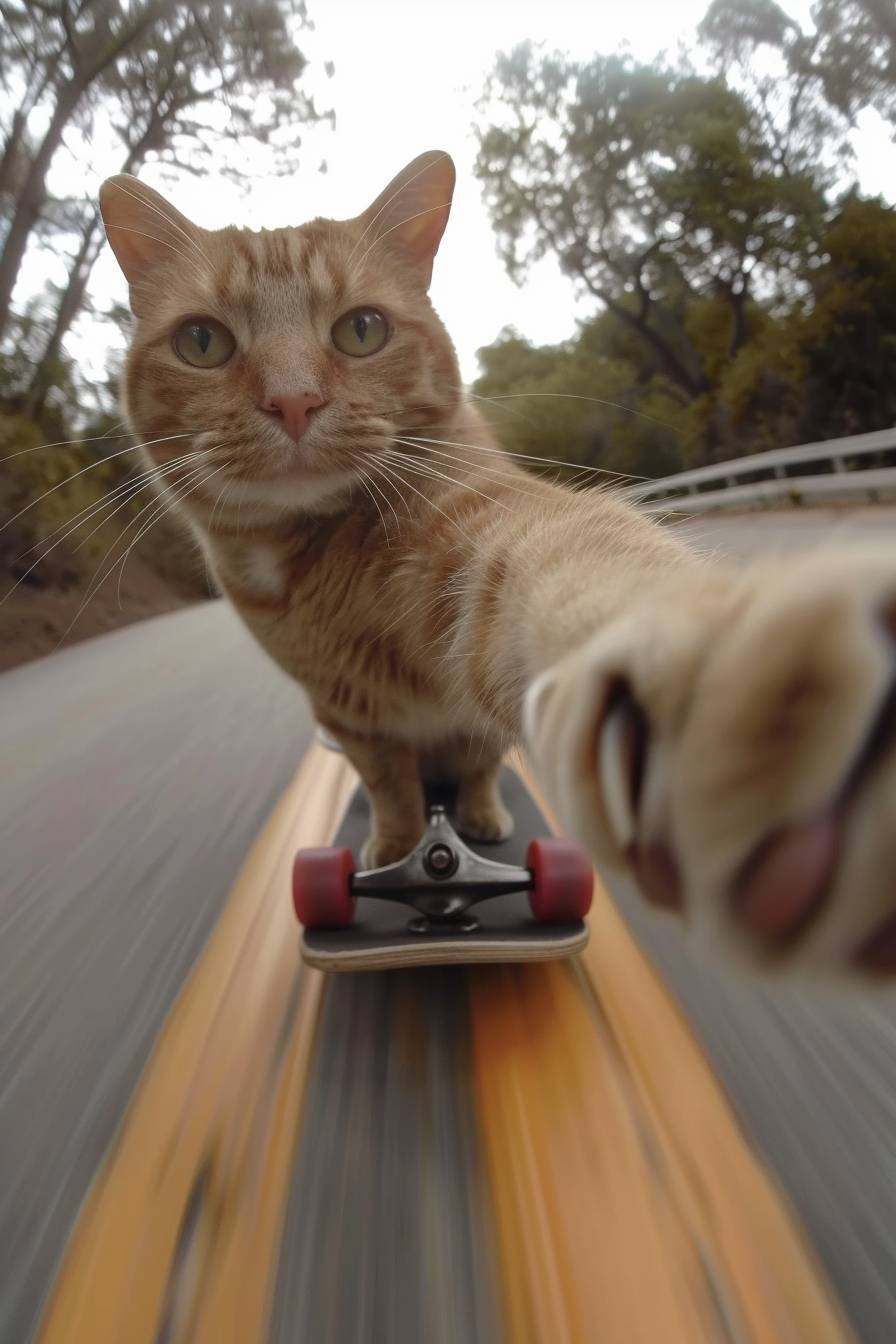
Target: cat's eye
{"type": "Point", "coordinates": [362, 331]}
{"type": "Point", "coordinates": [203, 342]}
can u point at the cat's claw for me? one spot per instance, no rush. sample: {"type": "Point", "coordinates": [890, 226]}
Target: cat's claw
{"type": "Point", "coordinates": [620, 764]}
{"type": "Point", "coordinates": [752, 784]}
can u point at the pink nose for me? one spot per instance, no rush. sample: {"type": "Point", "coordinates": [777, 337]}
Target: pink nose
{"type": "Point", "coordinates": [294, 411]}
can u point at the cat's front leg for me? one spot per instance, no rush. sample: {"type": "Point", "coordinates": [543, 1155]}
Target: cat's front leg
{"type": "Point", "coordinates": [475, 765]}
{"type": "Point", "coordinates": [736, 755]}
{"type": "Point", "coordinates": [390, 773]}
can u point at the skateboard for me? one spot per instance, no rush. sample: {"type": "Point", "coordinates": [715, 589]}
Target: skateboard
{"type": "Point", "coordinates": [449, 900]}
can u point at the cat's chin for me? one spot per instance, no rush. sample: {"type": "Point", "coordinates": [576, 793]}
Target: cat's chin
{"type": "Point", "coordinates": [302, 493]}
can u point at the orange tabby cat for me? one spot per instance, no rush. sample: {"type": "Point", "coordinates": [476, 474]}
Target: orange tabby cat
{"type": "Point", "coordinates": [724, 736]}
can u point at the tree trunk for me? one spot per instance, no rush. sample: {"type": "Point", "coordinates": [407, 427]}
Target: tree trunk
{"type": "Point", "coordinates": [42, 380]}
{"type": "Point", "coordinates": [740, 328]}
{"type": "Point", "coordinates": [31, 197]}
{"type": "Point", "coordinates": [671, 364]}
{"type": "Point", "coordinates": [10, 150]}
{"type": "Point", "coordinates": [32, 193]}
{"type": "Point", "coordinates": [43, 377]}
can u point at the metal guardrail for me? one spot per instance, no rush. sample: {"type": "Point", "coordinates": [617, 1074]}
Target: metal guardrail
{"type": "Point", "coordinates": [722, 485]}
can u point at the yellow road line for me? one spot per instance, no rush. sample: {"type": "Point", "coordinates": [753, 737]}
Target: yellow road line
{"type": "Point", "coordinates": [628, 1204]}
{"type": "Point", "coordinates": [182, 1223]}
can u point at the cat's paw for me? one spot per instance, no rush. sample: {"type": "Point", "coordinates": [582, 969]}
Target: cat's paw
{"type": "Point", "coordinates": [737, 756]}
{"type": "Point", "coordinates": [481, 815]}
{"type": "Point", "coordinates": [380, 850]}
{"type": "Point", "coordinates": [485, 820]}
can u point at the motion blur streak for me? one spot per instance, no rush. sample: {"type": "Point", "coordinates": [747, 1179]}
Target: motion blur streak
{"type": "Point", "coordinates": [535, 1154]}
{"type": "Point", "coordinates": [628, 1204]}
{"type": "Point", "coordinates": [178, 1236]}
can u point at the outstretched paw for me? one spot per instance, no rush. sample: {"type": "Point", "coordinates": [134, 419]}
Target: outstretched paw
{"type": "Point", "coordinates": [738, 758]}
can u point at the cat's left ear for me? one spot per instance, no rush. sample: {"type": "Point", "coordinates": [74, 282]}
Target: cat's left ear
{"type": "Point", "coordinates": [144, 229]}
{"type": "Point", "coordinates": [410, 215]}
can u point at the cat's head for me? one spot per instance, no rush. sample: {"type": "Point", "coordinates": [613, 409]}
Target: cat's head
{"type": "Point", "coordinates": [284, 360]}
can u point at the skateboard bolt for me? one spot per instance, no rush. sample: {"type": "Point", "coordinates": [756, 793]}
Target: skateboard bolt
{"type": "Point", "coordinates": [440, 860]}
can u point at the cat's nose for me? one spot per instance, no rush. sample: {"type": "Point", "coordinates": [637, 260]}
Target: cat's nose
{"type": "Point", "coordinates": [294, 410]}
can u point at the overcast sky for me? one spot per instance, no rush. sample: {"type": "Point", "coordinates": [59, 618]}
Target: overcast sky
{"type": "Point", "coordinates": [408, 73]}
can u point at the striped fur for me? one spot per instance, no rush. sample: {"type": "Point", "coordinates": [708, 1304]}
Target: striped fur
{"type": "Point", "coordinates": [697, 726]}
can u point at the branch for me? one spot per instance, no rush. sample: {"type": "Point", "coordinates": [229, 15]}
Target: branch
{"type": "Point", "coordinates": [70, 35]}
{"type": "Point", "coordinates": [645, 300]}
{"type": "Point", "coordinates": [105, 56]}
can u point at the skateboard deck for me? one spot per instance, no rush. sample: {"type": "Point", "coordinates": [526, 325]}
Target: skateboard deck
{"type": "Point", "coordinates": [379, 937]}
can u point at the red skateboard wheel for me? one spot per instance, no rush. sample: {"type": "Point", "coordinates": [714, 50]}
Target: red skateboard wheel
{"type": "Point", "coordinates": [562, 881]}
{"type": "Point", "coordinates": [322, 887]}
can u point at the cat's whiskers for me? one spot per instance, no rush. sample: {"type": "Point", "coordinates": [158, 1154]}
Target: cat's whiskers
{"type": "Point", "coordinates": [222, 494]}
{"type": "Point", "coordinates": [386, 500]}
{"type": "Point", "coordinates": [374, 465]}
{"type": "Point", "coordinates": [366, 483]}
{"type": "Point", "coordinates": [97, 580]}
{"type": "Point", "coordinates": [527, 457]}
{"type": "Point", "coordinates": [515, 476]}
{"type": "Point", "coordinates": [518, 479]}
{"type": "Point", "coordinates": [70, 528]}
{"type": "Point", "coordinates": [427, 469]}
{"type": "Point", "coordinates": [67, 443]}
{"type": "Point", "coordinates": [407, 484]}
{"type": "Point", "coordinates": [597, 401]}
{"type": "Point", "coordinates": [148, 478]}
{"type": "Point", "coordinates": [228, 485]}
{"type": "Point", "coordinates": [579, 471]}
{"type": "Point", "coordinates": [91, 466]}
{"type": "Point", "coordinates": [510, 410]}
{"type": "Point", "coordinates": [168, 505]}
{"type": "Point", "coordinates": [83, 515]}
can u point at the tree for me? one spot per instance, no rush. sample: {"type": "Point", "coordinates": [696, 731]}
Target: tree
{"type": "Point", "coordinates": [653, 186]}
{"type": "Point", "coordinates": [846, 340]}
{"type": "Point", "coordinates": [161, 95]}
{"type": "Point", "coordinates": [89, 43]}
{"type": "Point", "coordinates": [846, 62]}
{"type": "Point", "coordinates": [241, 54]}
{"type": "Point", "coordinates": [587, 401]}
{"type": "Point", "coordinates": [823, 368]}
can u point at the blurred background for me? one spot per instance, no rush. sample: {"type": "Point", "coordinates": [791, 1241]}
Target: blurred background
{"type": "Point", "coordinates": [673, 245]}
{"type": "Point", "coordinates": [678, 218]}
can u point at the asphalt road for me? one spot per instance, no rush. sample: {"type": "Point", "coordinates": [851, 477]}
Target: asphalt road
{"type": "Point", "coordinates": [136, 771]}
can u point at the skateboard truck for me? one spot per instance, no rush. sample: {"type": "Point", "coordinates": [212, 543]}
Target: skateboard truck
{"type": "Point", "coordinates": [441, 879]}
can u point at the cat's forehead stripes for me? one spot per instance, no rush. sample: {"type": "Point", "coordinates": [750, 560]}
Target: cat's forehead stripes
{"type": "Point", "coordinates": [279, 271]}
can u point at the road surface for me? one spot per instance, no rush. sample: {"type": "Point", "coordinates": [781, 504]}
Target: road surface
{"type": "Point", "coordinates": [137, 770]}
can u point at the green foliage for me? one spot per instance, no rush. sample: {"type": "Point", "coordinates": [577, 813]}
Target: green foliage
{"type": "Point", "coordinates": [825, 367]}
{"type": "Point", "coordinates": [848, 339]}
{"type": "Point", "coordinates": [652, 186]}
{"type": "Point", "coordinates": [571, 403]}
{"type": "Point", "coordinates": [738, 307]}
{"type": "Point", "coordinates": [45, 490]}
{"type": "Point", "coordinates": [845, 62]}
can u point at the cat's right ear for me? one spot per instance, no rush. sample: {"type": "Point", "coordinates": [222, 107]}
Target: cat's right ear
{"type": "Point", "coordinates": [142, 227]}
